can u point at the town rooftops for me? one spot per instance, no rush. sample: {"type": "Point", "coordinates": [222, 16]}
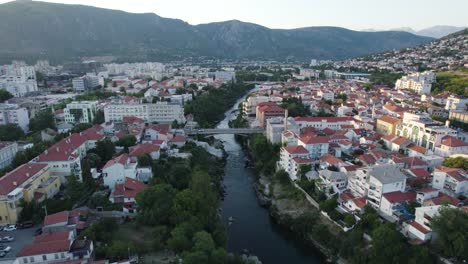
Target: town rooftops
{"type": "Point", "coordinates": [141, 149]}
{"type": "Point", "coordinates": [389, 119]}
{"type": "Point", "coordinates": [18, 176]}
{"type": "Point", "coordinates": [44, 248]}
{"type": "Point", "coordinates": [313, 140]}
{"type": "Point", "coordinates": [453, 142]}
{"type": "Point", "coordinates": [387, 173]}
{"type": "Point", "coordinates": [419, 149]}
{"type": "Point", "coordinates": [323, 119]}
{"type": "Point", "coordinates": [296, 150]}
{"type": "Point", "coordinates": [56, 218]}
{"type": "Point", "coordinates": [419, 227]}
{"type": "Point", "coordinates": [129, 189]}
{"type": "Point", "coordinates": [55, 236]}
{"type": "Point", "coordinates": [419, 172]}
{"type": "Point", "coordinates": [122, 159]}
{"type": "Point", "coordinates": [398, 197]}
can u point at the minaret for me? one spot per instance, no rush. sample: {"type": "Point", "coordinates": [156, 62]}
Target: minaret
{"type": "Point", "coordinates": [286, 120]}
{"type": "Point", "coordinates": [373, 111]}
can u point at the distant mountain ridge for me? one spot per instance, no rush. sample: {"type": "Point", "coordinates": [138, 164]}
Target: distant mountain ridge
{"type": "Point", "coordinates": [433, 32]}
{"type": "Point", "coordinates": [66, 32]}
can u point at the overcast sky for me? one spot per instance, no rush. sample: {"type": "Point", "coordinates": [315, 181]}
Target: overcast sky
{"type": "Point", "coordinates": [353, 14]}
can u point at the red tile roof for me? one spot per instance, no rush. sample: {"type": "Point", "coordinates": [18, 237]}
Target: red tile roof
{"type": "Point", "coordinates": [56, 218]}
{"type": "Point", "coordinates": [453, 142]}
{"type": "Point", "coordinates": [389, 119]}
{"type": "Point", "coordinates": [122, 159]}
{"type": "Point", "coordinates": [129, 189]}
{"type": "Point", "coordinates": [44, 248]}
{"type": "Point", "coordinates": [417, 148]}
{"type": "Point", "coordinates": [49, 237]}
{"type": "Point", "coordinates": [360, 202]}
{"type": "Point", "coordinates": [302, 161]}
{"type": "Point", "coordinates": [398, 197]}
{"type": "Point", "coordinates": [63, 150]}
{"type": "Point", "coordinates": [419, 172]}
{"type": "Point", "coordinates": [419, 227]}
{"type": "Point", "coordinates": [18, 176]}
{"type": "Point", "coordinates": [296, 150]}
{"type": "Point", "coordinates": [141, 149]}
{"type": "Point", "coordinates": [308, 140]}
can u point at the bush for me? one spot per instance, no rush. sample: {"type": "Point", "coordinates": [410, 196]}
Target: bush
{"type": "Point", "coordinates": [328, 205]}
{"type": "Point", "coordinates": [335, 215]}
{"type": "Point", "coordinates": [349, 220]}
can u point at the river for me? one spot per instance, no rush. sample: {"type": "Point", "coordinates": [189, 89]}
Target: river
{"type": "Point", "coordinates": [253, 229]}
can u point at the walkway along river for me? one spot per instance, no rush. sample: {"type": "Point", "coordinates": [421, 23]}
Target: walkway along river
{"type": "Point", "coordinates": [252, 228]}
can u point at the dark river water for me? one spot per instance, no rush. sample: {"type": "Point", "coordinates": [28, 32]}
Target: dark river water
{"type": "Point", "coordinates": [253, 229]}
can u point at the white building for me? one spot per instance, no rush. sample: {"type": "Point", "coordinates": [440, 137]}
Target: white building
{"type": "Point", "coordinates": [13, 114]}
{"type": "Point", "coordinates": [422, 130]}
{"type": "Point", "coordinates": [80, 112]}
{"type": "Point", "coordinates": [456, 103]}
{"type": "Point", "coordinates": [375, 181]}
{"type": "Point", "coordinates": [420, 228]}
{"type": "Point", "coordinates": [86, 83]}
{"type": "Point", "coordinates": [451, 146]}
{"type": "Point", "coordinates": [19, 80]}
{"type": "Point", "coordinates": [249, 107]}
{"type": "Point", "coordinates": [453, 182]}
{"type": "Point", "coordinates": [225, 75]}
{"type": "Point", "coordinates": [420, 82]}
{"type": "Point", "coordinates": [116, 170]}
{"type": "Point", "coordinates": [161, 112]}
{"type": "Point", "coordinates": [8, 151]}
{"type": "Point", "coordinates": [290, 159]}
{"type": "Point", "coordinates": [316, 146]}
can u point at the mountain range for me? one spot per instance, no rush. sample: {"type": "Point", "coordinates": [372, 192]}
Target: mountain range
{"type": "Point", "coordinates": [433, 32]}
{"type": "Point", "coordinates": [34, 30]}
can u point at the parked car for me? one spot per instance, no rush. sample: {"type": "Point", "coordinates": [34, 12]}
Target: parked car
{"type": "Point", "coordinates": [7, 239]}
{"type": "Point", "coordinates": [2, 227]}
{"type": "Point", "coordinates": [2, 254]}
{"type": "Point", "coordinates": [38, 232]}
{"type": "Point", "coordinates": [26, 224]}
{"type": "Point", "coordinates": [5, 248]}
{"type": "Point", "coordinates": [9, 228]}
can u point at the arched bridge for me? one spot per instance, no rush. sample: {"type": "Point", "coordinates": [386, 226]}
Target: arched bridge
{"type": "Point", "coordinates": [218, 131]}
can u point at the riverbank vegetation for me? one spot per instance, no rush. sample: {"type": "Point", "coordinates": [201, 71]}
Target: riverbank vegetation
{"type": "Point", "coordinates": [371, 240]}
{"type": "Point", "coordinates": [208, 109]}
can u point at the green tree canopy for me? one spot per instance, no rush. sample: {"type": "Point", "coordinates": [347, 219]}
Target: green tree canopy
{"type": "Point", "coordinates": [10, 132]}
{"type": "Point", "coordinates": [5, 95]}
{"type": "Point", "coordinates": [451, 226]}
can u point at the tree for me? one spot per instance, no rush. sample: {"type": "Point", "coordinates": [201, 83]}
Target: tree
{"type": "Point", "coordinates": [451, 226]}
{"type": "Point", "coordinates": [10, 132]}
{"type": "Point", "coordinates": [127, 141]}
{"type": "Point", "coordinates": [155, 204]}
{"type": "Point", "coordinates": [105, 149]}
{"type": "Point", "coordinates": [388, 245]}
{"type": "Point", "coordinates": [5, 95]}
{"type": "Point", "coordinates": [99, 117]}
{"type": "Point", "coordinates": [304, 169]}
{"type": "Point", "coordinates": [144, 160]}
{"type": "Point", "coordinates": [80, 127]}
{"type": "Point", "coordinates": [86, 174]}
{"type": "Point", "coordinates": [458, 162]}
{"type": "Point", "coordinates": [328, 205]}
{"type": "Point", "coordinates": [42, 120]}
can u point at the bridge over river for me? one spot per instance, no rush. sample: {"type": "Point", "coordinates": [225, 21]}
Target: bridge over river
{"type": "Point", "coordinates": [221, 131]}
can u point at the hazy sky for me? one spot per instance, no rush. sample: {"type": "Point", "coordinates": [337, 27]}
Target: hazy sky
{"type": "Point", "coordinates": [353, 14]}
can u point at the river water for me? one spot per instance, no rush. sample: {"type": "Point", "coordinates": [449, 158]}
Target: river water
{"type": "Point", "coordinates": [253, 229]}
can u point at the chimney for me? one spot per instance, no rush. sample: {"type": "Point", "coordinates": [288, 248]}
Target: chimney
{"type": "Point", "coordinates": [15, 183]}
{"type": "Point", "coordinates": [27, 174]}
{"type": "Point", "coordinates": [447, 123]}
{"type": "Point", "coordinates": [46, 151]}
{"type": "Point", "coordinates": [58, 149]}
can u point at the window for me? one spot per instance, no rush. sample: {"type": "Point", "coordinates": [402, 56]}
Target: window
{"type": "Point", "coordinates": [44, 257]}
{"type": "Point", "coordinates": [25, 260]}
{"type": "Point", "coordinates": [62, 254]}
{"type": "Point", "coordinates": [56, 256]}
{"type": "Point", "coordinates": [31, 259]}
